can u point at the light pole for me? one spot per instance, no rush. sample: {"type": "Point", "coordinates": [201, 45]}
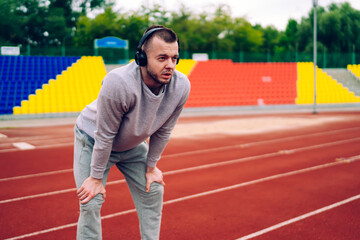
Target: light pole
{"type": "Point", "coordinates": [315, 3]}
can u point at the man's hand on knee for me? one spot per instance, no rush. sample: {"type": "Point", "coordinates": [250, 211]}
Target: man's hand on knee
{"type": "Point", "coordinates": [153, 175]}
{"type": "Point", "coordinates": [89, 189]}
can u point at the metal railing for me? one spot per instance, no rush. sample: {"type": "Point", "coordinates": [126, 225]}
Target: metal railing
{"type": "Point", "coordinates": [118, 56]}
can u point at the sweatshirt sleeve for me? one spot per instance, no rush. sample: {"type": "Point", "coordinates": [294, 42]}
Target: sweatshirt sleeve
{"type": "Point", "coordinates": [111, 106]}
{"type": "Point", "coordinates": [161, 137]}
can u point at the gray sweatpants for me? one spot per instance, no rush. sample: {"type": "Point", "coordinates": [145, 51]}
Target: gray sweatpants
{"type": "Point", "coordinates": [132, 164]}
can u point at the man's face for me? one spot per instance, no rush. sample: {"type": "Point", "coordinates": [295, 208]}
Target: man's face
{"type": "Point", "coordinates": [161, 61]}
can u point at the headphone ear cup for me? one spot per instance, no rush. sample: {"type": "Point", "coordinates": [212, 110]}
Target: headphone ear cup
{"type": "Point", "coordinates": [141, 58]}
{"type": "Point", "coordinates": [137, 57]}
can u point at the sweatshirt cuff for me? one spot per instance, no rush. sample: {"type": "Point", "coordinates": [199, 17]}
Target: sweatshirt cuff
{"type": "Point", "coordinates": [151, 162]}
{"type": "Point", "coordinates": [97, 174]}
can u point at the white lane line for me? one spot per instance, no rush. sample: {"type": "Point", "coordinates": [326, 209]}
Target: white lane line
{"type": "Point", "coordinates": [39, 147]}
{"type": "Point", "coordinates": [38, 195]}
{"type": "Point", "coordinates": [43, 231]}
{"type": "Point", "coordinates": [39, 138]}
{"type": "Point", "coordinates": [5, 144]}
{"type": "Point", "coordinates": [293, 220]}
{"type": "Point", "coordinates": [277, 176]}
{"type": "Point", "coordinates": [3, 135]}
{"type": "Point", "coordinates": [52, 193]}
{"type": "Point", "coordinates": [36, 175]}
{"type": "Point", "coordinates": [23, 145]}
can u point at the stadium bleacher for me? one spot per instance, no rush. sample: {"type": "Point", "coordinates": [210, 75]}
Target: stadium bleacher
{"type": "Point", "coordinates": [39, 84]}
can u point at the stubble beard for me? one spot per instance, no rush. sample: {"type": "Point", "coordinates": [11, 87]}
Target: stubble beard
{"type": "Point", "coordinates": [155, 77]}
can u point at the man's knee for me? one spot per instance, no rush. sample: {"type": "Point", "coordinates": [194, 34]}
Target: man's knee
{"type": "Point", "coordinates": [156, 192]}
{"type": "Point", "coordinates": [94, 205]}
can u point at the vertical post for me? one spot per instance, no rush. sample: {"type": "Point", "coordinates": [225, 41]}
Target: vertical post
{"type": "Point", "coordinates": [353, 55]}
{"type": "Point", "coordinates": [241, 56]}
{"type": "Point", "coordinates": [127, 51]}
{"type": "Point", "coordinates": [28, 50]}
{"type": "Point", "coordinates": [63, 53]}
{"type": "Point", "coordinates": [95, 48]}
{"type": "Point", "coordinates": [315, 51]}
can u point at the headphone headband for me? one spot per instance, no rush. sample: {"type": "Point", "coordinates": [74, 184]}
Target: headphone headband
{"type": "Point", "coordinates": [146, 36]}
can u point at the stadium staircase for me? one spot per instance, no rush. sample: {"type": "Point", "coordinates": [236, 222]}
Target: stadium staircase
{"type": "Point", "coordinates": [346, 78]}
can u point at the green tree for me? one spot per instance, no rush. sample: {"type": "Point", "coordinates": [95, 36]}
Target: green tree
{"type": "Point", "coordinates": [289, 39]}
{"type": "Point", "coordinates": [11, 23]}
{"type": "Point", "coordinates": [86, 6]}
{"type": "Point", "coordinates": [330, 33]}
{"type": "Point", "coordinates": [89, 29]}
{"type": "Point", "coordinates": [271, 38]}
{"type": "Point", "coordinates": [181, 22]}
{"type": "Point", "coordinates": [247, 38]}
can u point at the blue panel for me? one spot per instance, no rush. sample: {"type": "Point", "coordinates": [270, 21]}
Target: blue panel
{"type": "Point", "coordinates": [111, 42]}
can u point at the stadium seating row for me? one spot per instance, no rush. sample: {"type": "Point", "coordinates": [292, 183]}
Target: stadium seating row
{"type": "Point", "coordinates": [355, 69]}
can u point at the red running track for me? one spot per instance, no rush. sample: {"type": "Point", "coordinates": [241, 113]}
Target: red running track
{"type": "Point", "coordinates": [294, 183]}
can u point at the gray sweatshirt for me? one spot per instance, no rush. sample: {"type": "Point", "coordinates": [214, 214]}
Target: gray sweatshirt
{"type": "Point", "coordinates": [126, 113]}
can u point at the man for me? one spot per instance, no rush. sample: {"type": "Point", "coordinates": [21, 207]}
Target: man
{"type": "Point", "coordinates": [138, 101]}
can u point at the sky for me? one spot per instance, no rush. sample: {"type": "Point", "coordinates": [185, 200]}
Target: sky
{"type": "Point", "coordinates": [263, 12]}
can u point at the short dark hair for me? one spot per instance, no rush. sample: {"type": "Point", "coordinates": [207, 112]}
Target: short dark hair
{"type": "Point", "coordinates": [166, 34]}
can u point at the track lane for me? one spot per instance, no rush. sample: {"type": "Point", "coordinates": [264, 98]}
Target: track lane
{"type": "Point", "coordinates": [207, 179]}
{"type": "Point", "coordinates": [341, 222]}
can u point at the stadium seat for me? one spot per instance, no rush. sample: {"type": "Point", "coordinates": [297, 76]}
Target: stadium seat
{"type": "Point", "coordinates": [355, 69]}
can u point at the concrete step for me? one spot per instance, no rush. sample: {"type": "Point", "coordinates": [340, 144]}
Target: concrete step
{"type": "Point", "coordinates": [346, 78]}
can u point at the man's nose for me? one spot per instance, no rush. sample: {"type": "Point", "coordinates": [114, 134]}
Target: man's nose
{"type": "Point", "coordinates": [171, 63]}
